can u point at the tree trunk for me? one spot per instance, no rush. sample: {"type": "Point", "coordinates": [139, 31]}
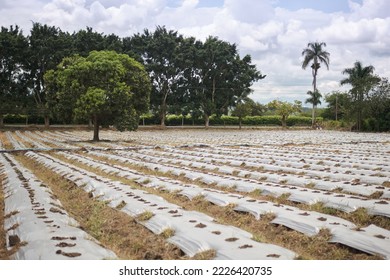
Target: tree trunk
{"type": "Point", "coordinates": [1, 121]}
{"type": "Point", "coordinates": [360, 111]}
{"type": "Point", "coordinates": [163, 111]}
{"type": "Point", "coordinates": [336, 108]}
{"type": "Point", "coordinates": [240, 122]}
{"type": "Point", "coordinates": [162, 117]}
{"type": "Point", "coordinates": [47, 121]}
{"type": "Point", "coordinates": [95, 128]}
{"type": "Point", "coordinates": [206, 120]}
{"type": "Point", "coordinates": [315, 90]}
{"type": "Point", "coordinates": [313, 116]}
{"type": "Point", "coordinates": [284, 121]}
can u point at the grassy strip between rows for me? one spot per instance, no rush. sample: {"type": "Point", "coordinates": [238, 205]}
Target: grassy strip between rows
{"type": "Point", "coordinates": [6, 144]}
{"type": "Point", "coordinates": [114, 229]}
{"type": "Point", "coordinates": [316, 247]}
{"type": "Point", "coordinates": [3, 250]}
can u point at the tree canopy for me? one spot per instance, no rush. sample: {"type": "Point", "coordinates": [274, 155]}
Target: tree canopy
{"type": "Point", "coordinates": [285, 109]}
{"type": "Point", "coordinates": [159, 52]}
{"type": "Point", "coordinates": [107, 87]}
{"type": "Point", "coordinates": [13, 80]}
{"type": "Point", "coordinates": [362, 80]}
{"type": "Point", "coordinates": [221, 77]}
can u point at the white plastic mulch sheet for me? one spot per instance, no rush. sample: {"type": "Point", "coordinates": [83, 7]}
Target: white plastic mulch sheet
{"type": "Point", "coordinates": [307, 222]}
{"type": "Point", "coordinates": [37, 223]}
{"type": "Point", "coordinates": [346, 203]}
{"type": "Point", "coordinates": [16, 144]}
{"type": "Point", "coordinates": [193, 232]}
{"type": "Point", "coordinates": [374, 241]}
{"type": "Point", "coordinates": [231, 161]}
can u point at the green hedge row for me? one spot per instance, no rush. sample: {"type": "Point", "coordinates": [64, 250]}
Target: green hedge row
{"type": "Point", "coordinates": [29, 120]}
{"type": "Point", "coordinates": [21, 119]}
{"type": "Point", "coordinates": [175, 120]}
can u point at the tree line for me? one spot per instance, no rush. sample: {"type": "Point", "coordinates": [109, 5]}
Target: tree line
{"type": "Point", "coordinates": [186, 77]}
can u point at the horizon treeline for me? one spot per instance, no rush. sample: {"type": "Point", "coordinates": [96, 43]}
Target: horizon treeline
{"type": "Point", "coordinates": [189, 77]}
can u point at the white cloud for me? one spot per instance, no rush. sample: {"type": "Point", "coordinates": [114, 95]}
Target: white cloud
{"type": "Point", "coordinates": [274, 36]}
{"type": "Point", "coordinates": [362, 31]}
{"type": "Point", "coordinates": [250, 11]}
{"type": "Point", "coordinates": [250, 43]}
{"type": "Point", "coordinates": [370, 9]}
{"type": "Point", "coordinates": [293, 35]}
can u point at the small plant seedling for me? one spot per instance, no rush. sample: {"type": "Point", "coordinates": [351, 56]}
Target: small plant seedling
{"type": "Point", "coordinates": [121, 205]}
{"type": "Point", "coordinates": [145, 216]}
{"type": "Point", "coordinates": [167, 233]}
{"type": "Point", "coordinates": [146, 181]}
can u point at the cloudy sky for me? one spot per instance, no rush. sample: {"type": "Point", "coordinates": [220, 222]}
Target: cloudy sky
{"type": "Point", "coordinates": [273, 32]}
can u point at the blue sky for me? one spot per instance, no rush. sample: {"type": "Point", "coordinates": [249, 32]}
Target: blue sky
{"type": "Point", "coordinates": [327, 6]}
{"type": "Point", "coordinates": [273, 32]}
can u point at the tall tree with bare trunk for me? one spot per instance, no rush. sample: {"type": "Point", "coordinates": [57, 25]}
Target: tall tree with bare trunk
{"type": "Point", "coordinates": [315, 54]}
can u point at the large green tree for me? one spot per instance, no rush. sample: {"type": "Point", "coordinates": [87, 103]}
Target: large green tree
{"type": "Point", "coordinates": [339, 106]}
{"type": "Point", "coordinates": [13, 87]}
{"type": "Point", "coordinates": [378, 107]}
{"type": "Point", "coordinates": [243, 108]}
{"type": "Point", "coordinates": [160, 52]}
{"type": "Point", "coordinates": [86, 40]}
{"type": "Point", "coordinates": [107, 87]}
{"type": "Point", "coordinates": [221, 77]}
{"type": "Point", "coordinates": [315, 54]}
{"type": "Point", "coordinates": [48, 45]}
{"type": "Point", "coordinates": [284, 109]}
{"type": "Point", "coordinates": [362, 80]}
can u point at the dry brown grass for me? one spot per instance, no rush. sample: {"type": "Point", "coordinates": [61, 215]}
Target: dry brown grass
{"type": "Point", "coordinates": [168, 232]}
{"type": "Point", "coordinates": [114, 229]}
{"type": "Point", "coordinates": [360, 217]}
{"type": "Point", "coordinates": [205, 255]}
{"type": "Point", "coordinates": [5, 142]}
{"type": "Point", "coordinates": [3, 244]}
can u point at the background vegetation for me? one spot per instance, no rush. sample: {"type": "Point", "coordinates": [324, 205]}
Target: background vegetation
{"type": "Point", "coordinates": [192, 83]}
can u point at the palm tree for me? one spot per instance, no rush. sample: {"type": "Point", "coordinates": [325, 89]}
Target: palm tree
{"type": "Point", "coordinates": [314, 99]}
{"type": "Point", "coordinates": [362, 80]}
{"type": "Point", "coordinates": [316, 54]}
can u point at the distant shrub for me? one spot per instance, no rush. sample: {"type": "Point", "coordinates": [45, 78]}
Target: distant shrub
{"type": "Point", "coordinates": [301, 121]}
{"type": "Point", "coordinates": [23, 119]}
{"type": "Point", "coordinates": [176, 120]}
{"type": "Point", "coordinates": [149, 119]}
{"type": "Point", "coordinates": [14, 119]}
{"type": "Point", "coordinates": [261, 120]}
{"type": "Point", "coordinates": [332, 124]}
